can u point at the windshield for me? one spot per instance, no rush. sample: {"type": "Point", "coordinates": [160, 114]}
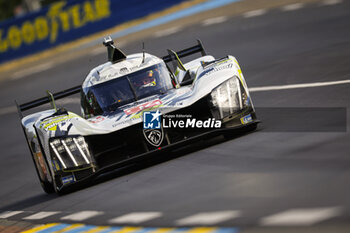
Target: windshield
{"type": "Point", "coordinates": [108, 96]}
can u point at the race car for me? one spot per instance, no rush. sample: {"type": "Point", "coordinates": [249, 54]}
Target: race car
{"type": "Point", "coordinates": [132, 107]}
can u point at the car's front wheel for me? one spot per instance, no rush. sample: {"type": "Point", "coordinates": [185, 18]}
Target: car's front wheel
{"type": "Point", "coordinates": [45, 184]}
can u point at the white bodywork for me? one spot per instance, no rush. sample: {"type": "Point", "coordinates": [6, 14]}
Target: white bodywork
{"type": "Point", "coordinates": [205, 80]}
{"type": "Point", "coordinates": [202, 85]}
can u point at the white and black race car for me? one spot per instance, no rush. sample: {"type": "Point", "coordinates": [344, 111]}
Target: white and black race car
{"type": "Point", "coordinates": [134, 106]}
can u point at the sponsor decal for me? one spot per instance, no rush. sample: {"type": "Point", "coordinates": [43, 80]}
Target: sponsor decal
{"type": "Point", "coordinates": [68, 179]}
{"type": "Point", "coordinates": [154, 136]}
{"type": "Point", "coordinates": [246, 119]}
{"type": "Point", "coordinates": [215, 69]}
{"type": "Point", "coordinates": [151, 120]}
{"type": "Point", "coordinates": [52, 123]}
{"type": "Point", "coordinates": [97, 119]}
{"type": "Point", "coordinates": [190, 122]}
{"type": "Point", "coordinates": [56, 165]}
{"type": "Point", "coordinates": [152, 129]}
{"type": "Point", "coordinates": [247, 101]}
{"type": "Point", "coordinates": [214, 63]}
{"type": "Point", "coordinates": [154, 123]}
{"type": "Point", "coordinates": [143, 107]}
{"type": "Point", "coordinates": [60, 17]}
{"type": "Point", "coordinates": [126, 122]}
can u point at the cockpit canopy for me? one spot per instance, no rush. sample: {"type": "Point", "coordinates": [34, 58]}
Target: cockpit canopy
{"type": "Point", "coordinates": [107, 97]}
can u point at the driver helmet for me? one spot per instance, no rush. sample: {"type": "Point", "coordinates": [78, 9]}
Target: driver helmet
{"type": "Point", "coordinates": [149, 80]}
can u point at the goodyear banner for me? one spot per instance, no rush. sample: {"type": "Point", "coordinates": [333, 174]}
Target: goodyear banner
{"type": "Point", "coordinates": [65, 21]}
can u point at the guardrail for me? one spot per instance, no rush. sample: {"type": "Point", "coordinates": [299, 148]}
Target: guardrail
{"type": "Point", "coordinates": [66, 21]}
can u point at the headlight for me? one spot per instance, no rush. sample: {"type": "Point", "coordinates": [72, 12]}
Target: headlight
{"type": "Point", "coordinates": [71, 151]}
{"type": "Point", "coordinates": [227, 98]}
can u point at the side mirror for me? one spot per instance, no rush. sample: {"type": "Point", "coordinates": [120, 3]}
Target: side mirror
{"type": "Point", "coordinates": [52, 100]}
{"type": "Point", "coordinates": [114, 53]}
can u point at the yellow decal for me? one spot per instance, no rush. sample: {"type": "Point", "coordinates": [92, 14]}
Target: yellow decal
{"type": "Point", "coordinates": [51, 124]}
{"type": "Point", "coordinates": [57, 166]}
{"type": "Point", "coordinates": [224, 61]}
{"type": "Point", "coordinates": [239, 72]}
{"type": "Point", "coordinates": [139, 114]}
{"type": "Point", "coordinates": [177, 71]}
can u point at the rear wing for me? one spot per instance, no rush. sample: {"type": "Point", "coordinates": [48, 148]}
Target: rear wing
{"type": "Point", "coordinates": [74, 90]}
{"type": "Point", "coordinates": [187, 52]}
{"type": "Point", "coordinates": [46, 99]}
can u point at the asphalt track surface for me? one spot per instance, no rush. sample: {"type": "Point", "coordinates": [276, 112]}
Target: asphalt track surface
{"type": "Point", "coordinates": [259, 174]}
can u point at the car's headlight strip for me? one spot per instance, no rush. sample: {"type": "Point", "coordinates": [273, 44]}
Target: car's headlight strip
{"type": "Point", "coordinates": [58, 155]}
{"type": "Point", "coordinates": [71, 151]}
{"type": "Point", "coordinates": [239, 94]}
{"type": "Point", "coordinates": [228, 88]}
{"type": "Point", "coordinates": [81, 150]}
{"type": "Point", "coordinates": [227, 98]}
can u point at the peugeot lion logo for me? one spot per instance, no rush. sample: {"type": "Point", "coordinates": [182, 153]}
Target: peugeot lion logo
{"type": "Point", "coordinates": [152, 129]}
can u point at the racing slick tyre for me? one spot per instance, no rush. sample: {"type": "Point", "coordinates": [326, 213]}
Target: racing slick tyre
{"type": "Point", "coordinates": [55, 187]}
{"type": "Point", "coordinates": [46, 185]}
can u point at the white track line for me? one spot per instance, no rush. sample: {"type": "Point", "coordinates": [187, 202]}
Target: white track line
{"type": "Point", "coordinates": [331, 2]}
{"type": "Point", "coordinates": [294, 86]}
{"type": "Point", "coordinates": [82, 215]}
{"type": "Point", "coordinates": [254, 13]}
{"type": "Point", "coordinates": [41, 215]}
{"type": "Point", "coordinates": [167, 32]}
{"type": "Point", "coordinates": [208, 218]}
{"type": "Point", "coordinates": [32, 70]}
{"type": "Point", "coordinates": [293, 7]}
{"type": "Point", "coordinates": [137, 217]}
{"type": "Point", "coordinates": [300, 217]}
{"type": "Point", "coordinates": [215, 20]}
{"type": "Point", "coordinates": [8, 214]}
